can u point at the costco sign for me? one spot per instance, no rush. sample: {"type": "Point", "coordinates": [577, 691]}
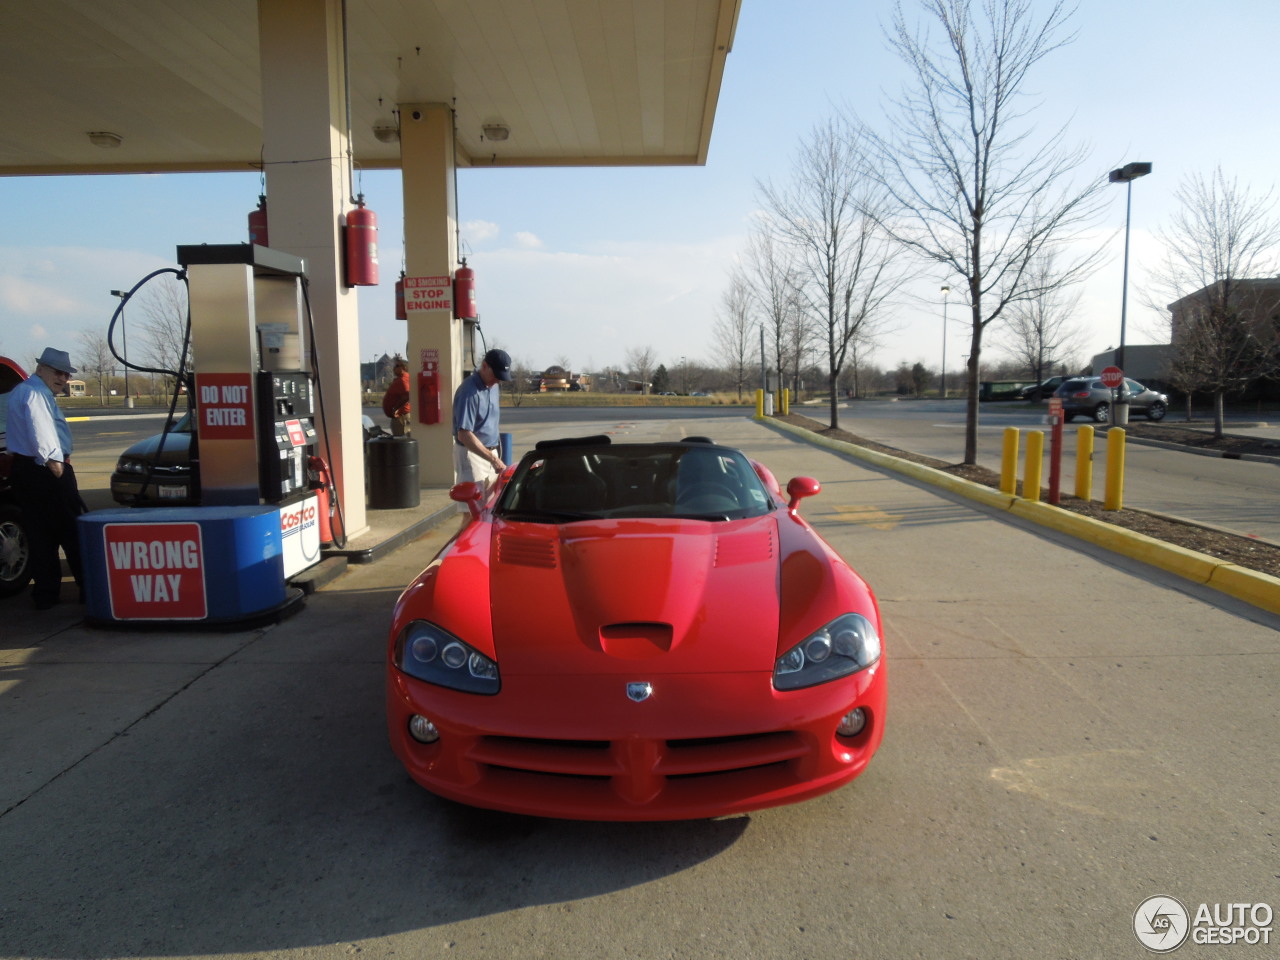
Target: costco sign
{"type": "Point", "coordinates": [155, 571]}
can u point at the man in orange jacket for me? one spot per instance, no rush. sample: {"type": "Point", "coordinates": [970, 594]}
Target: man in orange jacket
{"type": "Point", "coordinates": [395, 402]}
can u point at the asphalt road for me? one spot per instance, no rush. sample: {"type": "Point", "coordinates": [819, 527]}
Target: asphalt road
{"type": "Point", "coordinates": [1237, 495]}
{"type": "Point", "coordinates": [1046, 768]}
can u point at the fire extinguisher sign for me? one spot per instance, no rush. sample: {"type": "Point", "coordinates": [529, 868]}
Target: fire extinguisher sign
{"type": "Point", "coordinates": [428, 293]}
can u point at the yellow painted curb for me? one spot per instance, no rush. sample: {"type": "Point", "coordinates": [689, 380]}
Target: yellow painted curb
{"type": "Point", "coordinates": [1259, 589]}
{"type": "Point", "coordinates": [1167, 556]}
{"type": "Point", "coordinates": [1250, 586]}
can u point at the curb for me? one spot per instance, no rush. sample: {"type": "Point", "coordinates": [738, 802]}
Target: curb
{"type": "Point", "coordinates": [1257, 589]}
{"type": "Point", "coordinates": [1199, 452]}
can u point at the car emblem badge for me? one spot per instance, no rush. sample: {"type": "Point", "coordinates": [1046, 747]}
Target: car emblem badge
{"type": "Point", "coordinates": [639, 691]}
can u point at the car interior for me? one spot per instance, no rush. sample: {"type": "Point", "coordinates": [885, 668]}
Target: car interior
{"type": "Point", "coordinates": [564, 481]}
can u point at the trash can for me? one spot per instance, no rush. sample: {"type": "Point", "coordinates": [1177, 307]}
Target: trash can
{"type": "Point", "coordinates": [393, 473]}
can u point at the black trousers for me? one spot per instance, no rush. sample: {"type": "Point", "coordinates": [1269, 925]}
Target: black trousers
{"type": "Point", "coordinates": [50, 506]}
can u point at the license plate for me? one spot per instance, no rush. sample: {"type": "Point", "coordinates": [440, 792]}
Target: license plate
{"type": "Point", "coordinates": [172, 493]}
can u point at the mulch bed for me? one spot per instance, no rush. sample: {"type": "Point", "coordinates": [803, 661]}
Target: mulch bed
{"type": "Point", "coordinates": [1244, 551]}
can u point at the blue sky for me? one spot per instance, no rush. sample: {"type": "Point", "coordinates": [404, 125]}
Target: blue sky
{"type": "Point", "coordinates": [583, 264]}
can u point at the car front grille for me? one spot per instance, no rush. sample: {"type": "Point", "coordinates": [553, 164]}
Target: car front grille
{"type": "Point", "coordinates": [640, 769]}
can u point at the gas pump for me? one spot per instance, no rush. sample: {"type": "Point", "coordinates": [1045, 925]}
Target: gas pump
{"type": "Point", "coordinates": [228, 559]}
{"type": "Point", "coordinates": [255, 393]}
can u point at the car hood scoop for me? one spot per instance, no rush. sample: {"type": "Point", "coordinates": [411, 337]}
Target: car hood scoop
{"type": "Point", "coordinates": [609, 596]}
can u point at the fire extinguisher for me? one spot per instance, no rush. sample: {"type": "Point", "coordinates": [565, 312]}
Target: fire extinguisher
{"type": "Point", "coordinates": [360, 238]}
{"type": "Point", "coordinates": [464, 293]}
{"type": "Point", "coordinates": [400, 311]}
{"type": "Point", "coordinates": [258, 223]}
{"type": "Point", "coordinates": [429, 393]}
{"type": "Point", "coordinates": [322, 483]}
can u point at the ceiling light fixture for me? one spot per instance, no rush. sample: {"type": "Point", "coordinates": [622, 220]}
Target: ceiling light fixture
{"type": "Point", "coordinates": [386, 132]}
{"type": "Point", "coordinates": [496, 131]}
{"type": "Point", "coordinates": [104, 138]}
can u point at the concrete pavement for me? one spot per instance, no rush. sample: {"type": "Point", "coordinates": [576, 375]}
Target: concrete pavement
{"type": "Point", "coordinates": [1070, 732]}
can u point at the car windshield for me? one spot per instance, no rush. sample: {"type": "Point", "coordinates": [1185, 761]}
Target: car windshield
{"type": "Point", "coordinates": [561, 484]}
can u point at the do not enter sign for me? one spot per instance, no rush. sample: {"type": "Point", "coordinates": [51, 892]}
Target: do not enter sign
{"type": "Point", "coordinates": [1112, 377]}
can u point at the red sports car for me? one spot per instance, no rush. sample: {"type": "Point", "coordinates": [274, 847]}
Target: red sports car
{"type": "Point", "coordinates": [635, 632]}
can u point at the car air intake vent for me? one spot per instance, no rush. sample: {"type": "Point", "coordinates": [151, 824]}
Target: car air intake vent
{"type": "Point", "coordinates": [744, 548]}
{"type": "Point", "coordinates": [527, 551]}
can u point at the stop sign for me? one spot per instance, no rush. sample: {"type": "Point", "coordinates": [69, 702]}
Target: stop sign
{"type": "Point", "coordinates": [1112, 377]}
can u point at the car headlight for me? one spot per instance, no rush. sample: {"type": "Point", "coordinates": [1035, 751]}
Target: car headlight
{"type": "Point", "coordinates": [846, 645]}
{"type": "Point", "coordinates": [131, 466]}
{"type": "Point", "coordinates": [430, 653]}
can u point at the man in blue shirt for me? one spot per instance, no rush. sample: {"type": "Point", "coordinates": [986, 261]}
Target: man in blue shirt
{"type": "Point", "coordinates": [475, 421]}
{"type": "Point", "coordinates": [42, 477]}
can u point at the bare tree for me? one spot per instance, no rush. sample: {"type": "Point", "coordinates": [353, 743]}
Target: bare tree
{"type": "Point", "coordinates": [830, 214]}
{"type": "Point", "coordinates": [772, 273]}
{"type": "Point", "coordinates": [734, 329]}
{"type": "Point", "coordinates": [799, 336]}
{"type": "Point", "coordinates": [971, 190]}
{"type": "Point", "coordinates": [163, 308]}
{"type": "Point", "coordinates": [95, 360]}
{"type": "Point", "coordinates": [639, 362]}
{"type": "Point", "coordinates": [1221, 255]}
{"type": "Point", "coordinates": [1042, 332]}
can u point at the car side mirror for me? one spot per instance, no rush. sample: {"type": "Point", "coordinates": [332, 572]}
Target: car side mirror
{"type": "Point", "coordinates": [470, 493]}
{"type": "Point", "coordinates": [800, 487]}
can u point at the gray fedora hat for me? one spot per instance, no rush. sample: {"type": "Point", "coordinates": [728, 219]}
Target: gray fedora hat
{"type": "Point", "coordinates": [57, 359]}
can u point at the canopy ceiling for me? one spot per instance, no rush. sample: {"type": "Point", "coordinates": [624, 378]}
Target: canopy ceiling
{"type": "Point", "coordinates": [576, 82]}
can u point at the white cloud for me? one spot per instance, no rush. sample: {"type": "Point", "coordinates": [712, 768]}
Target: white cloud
{"type": "Point", "coordinates": [478, 231]}
{"type": "Point", "coordinates": [49, 294]}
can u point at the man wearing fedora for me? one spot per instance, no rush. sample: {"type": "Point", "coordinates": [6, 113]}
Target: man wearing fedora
{"type": "Point", "coordinates": [42, 477]}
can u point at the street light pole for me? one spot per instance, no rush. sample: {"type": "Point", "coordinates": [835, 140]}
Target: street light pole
{"type": "Point", "coordinates": [1126, 175]}
{"type": "Point", "coordinates": [946, 291]}
{"type": "Point", "coordinates": [124, 337]}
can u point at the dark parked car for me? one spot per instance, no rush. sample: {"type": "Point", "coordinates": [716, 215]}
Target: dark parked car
{"type": "Point", "coordinates": [1086, 396]}
{"type": "Point", "coordinates": [1043, 390]}
{"type": "Point", "coordinates": [15, 544]}
{"type": "Point", "coordinates": [143, 480]}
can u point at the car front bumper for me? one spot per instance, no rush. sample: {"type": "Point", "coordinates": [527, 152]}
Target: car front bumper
{"type": "Point", "coordinates": [127, 489]}
{"type": "Point", "coordinates": [577, 748]}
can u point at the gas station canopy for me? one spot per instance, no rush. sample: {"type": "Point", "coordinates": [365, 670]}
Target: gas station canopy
{"type": "Point", "coordinates": [128, 86]}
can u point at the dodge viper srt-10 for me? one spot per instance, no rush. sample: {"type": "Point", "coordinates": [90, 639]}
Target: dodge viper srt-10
{"type": "Point", "coordinates": [627, 631]}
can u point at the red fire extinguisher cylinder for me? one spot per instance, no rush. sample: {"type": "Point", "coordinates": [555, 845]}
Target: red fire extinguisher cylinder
{"type": "Point", "coordinates": [464, 293]}
{"type": "Point", "coordinates": [360, 237]}
{"type": "Point", "coordinates": [258, 223]}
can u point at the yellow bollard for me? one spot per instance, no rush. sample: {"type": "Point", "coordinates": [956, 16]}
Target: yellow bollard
{"type": "Point", "coordinates": [786, 400]}
{"type": "Point", "coordinates": [1084, 463]}
{"type": "Point", "coordinates": [1009, 462]}
{"type": "Point", "coordinates": [1035, 463]}
{"type": "Point", "coordinates": [759, 404]}
{"type": "Point", "coordinates": [1114, 498]}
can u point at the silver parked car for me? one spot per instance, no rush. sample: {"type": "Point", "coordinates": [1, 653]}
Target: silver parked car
{"type": "Point", "coordinates": [1086, 396]}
